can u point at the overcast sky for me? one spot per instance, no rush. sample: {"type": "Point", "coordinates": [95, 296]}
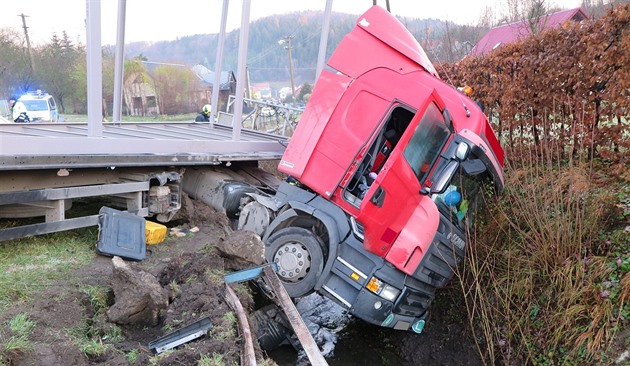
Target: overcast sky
{"type": "Point", "coordinates": [155, 20]}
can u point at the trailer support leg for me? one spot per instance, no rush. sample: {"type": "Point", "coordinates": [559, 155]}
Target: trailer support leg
{"type": "Point", "coordinates": [57, 211]}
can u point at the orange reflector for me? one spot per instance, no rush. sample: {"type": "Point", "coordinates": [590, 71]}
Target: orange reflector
{"type": "Point", "coordinates": [354, 276]}
{"type": "Point", "coordinates": [374, 285]}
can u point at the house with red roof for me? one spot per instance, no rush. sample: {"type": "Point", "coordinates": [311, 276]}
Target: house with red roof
{"type": "Point", "coordinates": [512, 32]}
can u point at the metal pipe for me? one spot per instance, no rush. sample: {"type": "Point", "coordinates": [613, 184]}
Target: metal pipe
{"type": "Point", "coordinates": [323, 40]}
{"type": "Point", "coordinates": [94, 68]}
{"type": "Point", "coordinates": [120, 56]}
{"type": "Point", "coordinates": [240, 74]}
{"type": "Point", "coordinates": [218, 66]}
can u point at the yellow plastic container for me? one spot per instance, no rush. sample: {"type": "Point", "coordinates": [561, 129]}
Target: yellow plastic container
{"type": "Point", "coordinates": [155, 232]}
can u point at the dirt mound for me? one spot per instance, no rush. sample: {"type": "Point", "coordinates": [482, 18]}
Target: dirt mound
{"type": "Point", "coordinates": [72, 326]}
{"type": "Point", "coordinates": [196, 291]}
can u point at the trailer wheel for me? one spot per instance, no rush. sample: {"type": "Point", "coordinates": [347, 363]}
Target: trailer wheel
{"type": "Point", "coordinates": [298, 254]}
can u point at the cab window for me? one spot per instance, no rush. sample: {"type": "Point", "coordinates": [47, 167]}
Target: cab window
{"type": "Point", "coordinates": [427, 142]}
{"type": "Point", "coordinates": [378, 154]}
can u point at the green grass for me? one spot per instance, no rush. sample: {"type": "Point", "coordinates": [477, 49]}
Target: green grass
{"type": "Point", "coordinates": [132, 356]}
{"type": "Point", "coordinates": [94, 338]}
{"type": "Point", "coordinates": [30, 264]}
{"type": "Point", "coordinates": [93, 348]}
{"type": "Point", "coordinates": [21, 325]}
{"type": "Point", "coordinates": [226, 330]}
{"type": "Point", "coordinates": [14, 340]}
{"type": "Point", "coordinates": [215, 276]}
{"type": "Point", "coordinates": [214, 360]}
{"type": "Point", "coordinates": [98, 297]}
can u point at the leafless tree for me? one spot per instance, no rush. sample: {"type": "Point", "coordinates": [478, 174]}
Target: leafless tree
{"type": "Point", "coordinates": [487, 18]}
{"type": "Point", "coordinates": [536, 16]}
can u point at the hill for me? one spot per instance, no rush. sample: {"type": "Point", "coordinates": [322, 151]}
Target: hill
{"type": "Point", "coordinates": [266, 59]}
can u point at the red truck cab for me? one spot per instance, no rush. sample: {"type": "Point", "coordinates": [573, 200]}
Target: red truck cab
{"type": "Point", "coordinates": [387, 160]}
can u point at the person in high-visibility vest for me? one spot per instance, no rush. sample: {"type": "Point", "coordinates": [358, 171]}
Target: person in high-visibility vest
{"type": "Point", "coordinates": [204, 115]}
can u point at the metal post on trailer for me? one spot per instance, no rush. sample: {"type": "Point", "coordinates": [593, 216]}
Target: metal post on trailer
{"type": "Point", "coordinates": [119, 64]}
{"type": "Point", "coordinates": [323, 41]}
{"type": "Point", "coordinates": [94, 69]}
{"type": "Point", "coordinates": [218, 64]}
{"type": "Point", "coordinates": [240, 73]}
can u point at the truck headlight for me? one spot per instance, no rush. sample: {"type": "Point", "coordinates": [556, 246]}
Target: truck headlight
{"type": "Point", "coordinates": [389, 293]}
{"type": "Point", "coordinates": [382, 289]}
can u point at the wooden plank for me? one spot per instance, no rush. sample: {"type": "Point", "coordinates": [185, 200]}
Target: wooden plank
{"type": "Point", "coordinates": [249, 356]}
{"type": "Point", "coordinates": [300, 329]}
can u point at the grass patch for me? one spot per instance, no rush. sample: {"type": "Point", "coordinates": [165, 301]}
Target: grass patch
{"type": "Point", "coordinates": [94, 337]}
{"type": "Point", "coordinates": [216, 276]}
{"type": "Point", "coordinates": [214, 360]}
{"type": "Point", "coordinates": [27, 265]}
{"type": "Point", "coordinates": [14, 340]}
{"type": "Point", "coordinates": [226, 331]}
{"type": "Point", "coordinates": [132, 355]}
{"type": "Point", "coordinates": [93, 348]}
{"type": "Point", "coordinates": [97, 296]}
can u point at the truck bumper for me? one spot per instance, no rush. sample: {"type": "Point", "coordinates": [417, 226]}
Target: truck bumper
{"type": "Point", "coordinates": [346, 284]}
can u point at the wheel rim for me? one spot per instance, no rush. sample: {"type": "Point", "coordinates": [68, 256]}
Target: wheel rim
{"type": "Point", "coordinates": [293, 260]}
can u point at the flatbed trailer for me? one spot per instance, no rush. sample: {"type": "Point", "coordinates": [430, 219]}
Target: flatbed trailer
{"type": "Point", "coordinates": [68, 145]}
{"type": "Point", "coordinates": [44, 166]}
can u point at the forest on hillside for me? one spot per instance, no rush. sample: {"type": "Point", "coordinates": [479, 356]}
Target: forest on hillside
{"type": "Point", "coordinates": [267, 60]}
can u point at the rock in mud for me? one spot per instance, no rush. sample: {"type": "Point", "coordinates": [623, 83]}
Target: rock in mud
{"type": "Point", "coordinates": [245, 247]}
{"type": "Point", "coordinates": [138, 295]}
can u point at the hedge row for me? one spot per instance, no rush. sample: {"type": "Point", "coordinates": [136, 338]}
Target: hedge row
{"type": "Point", "coordinates": [566, 88]}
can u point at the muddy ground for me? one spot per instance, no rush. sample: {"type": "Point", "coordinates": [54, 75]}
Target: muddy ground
{"type": "Point", "coordinates": [190, 270]}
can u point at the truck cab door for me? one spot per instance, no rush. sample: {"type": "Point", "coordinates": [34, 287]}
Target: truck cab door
{"type": "Point", "coordinates": [393, 209]}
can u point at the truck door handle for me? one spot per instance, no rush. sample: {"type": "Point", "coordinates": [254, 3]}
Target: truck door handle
{"type": "Point", "coordinates": [378, 197]}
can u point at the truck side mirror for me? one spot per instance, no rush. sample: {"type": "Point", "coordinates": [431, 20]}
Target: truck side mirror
{"type": "Point", "coordinates": [462, 151]}
{"type": "Point", "coordinates": [444, 179]}
{"type": "Point", "coordinates": [473, 167]}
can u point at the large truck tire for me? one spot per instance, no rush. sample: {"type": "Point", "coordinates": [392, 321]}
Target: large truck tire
{"type": "Point", "coordinates": [299, 256]}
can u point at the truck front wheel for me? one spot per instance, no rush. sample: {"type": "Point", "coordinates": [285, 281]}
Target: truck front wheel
{"type": "Point", "coordinates": [298, 254]}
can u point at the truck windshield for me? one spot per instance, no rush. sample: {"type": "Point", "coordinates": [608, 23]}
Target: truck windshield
{"type": "Point", "coordinates": [462, 197]}
{"type": "Point", "coordinates": [427, 142]}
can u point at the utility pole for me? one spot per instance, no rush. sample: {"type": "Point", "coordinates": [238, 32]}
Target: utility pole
{"type": "Point", "coordinates": [287, 40]}
{"type": "Point", "coordinates": [28, 41]}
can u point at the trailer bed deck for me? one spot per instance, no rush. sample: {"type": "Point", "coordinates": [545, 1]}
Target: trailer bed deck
{"type": "Point", "coordinates": [128, 144]}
